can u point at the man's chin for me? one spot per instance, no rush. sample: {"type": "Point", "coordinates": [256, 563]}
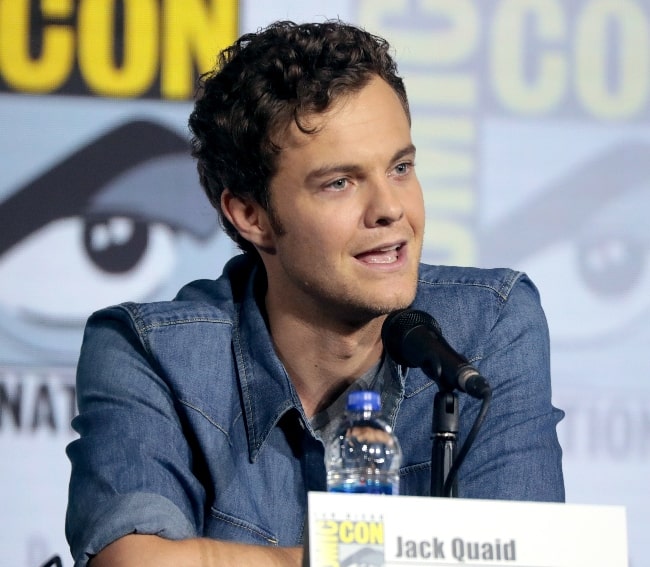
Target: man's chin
{"type": "Point", "coordinates": [364, 313]}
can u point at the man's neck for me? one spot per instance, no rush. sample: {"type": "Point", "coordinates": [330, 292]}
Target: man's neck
{"type": "Point", "coordinates": [321, 360]}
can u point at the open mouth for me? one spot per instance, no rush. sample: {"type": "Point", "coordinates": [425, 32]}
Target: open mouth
{"type": "Point", "coordinates": [386, 255]}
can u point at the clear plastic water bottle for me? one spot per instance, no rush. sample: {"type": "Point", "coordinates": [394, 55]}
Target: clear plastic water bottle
{"type": "Point", "coordinates": [364, 455]}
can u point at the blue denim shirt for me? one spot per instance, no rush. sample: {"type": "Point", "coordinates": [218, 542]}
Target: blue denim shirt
{"type": "Point", "coordinates": [189, 425]}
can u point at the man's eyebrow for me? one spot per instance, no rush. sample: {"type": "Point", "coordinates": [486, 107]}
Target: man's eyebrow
{"type": "Point", "coordinates": [408, 150]}
{"type": "Point", "coordinates": [329, 169]}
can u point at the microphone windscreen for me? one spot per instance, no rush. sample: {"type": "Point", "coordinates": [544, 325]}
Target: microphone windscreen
{"type": "Point", "coordinates": [397, 326]}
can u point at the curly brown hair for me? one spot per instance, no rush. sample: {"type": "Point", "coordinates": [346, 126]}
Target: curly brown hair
{"type": "Point", "coordinates": [261, 83]}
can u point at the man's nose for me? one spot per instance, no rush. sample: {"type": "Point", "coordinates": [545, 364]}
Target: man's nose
{"type": "Point", "coordinates": [384, 204]}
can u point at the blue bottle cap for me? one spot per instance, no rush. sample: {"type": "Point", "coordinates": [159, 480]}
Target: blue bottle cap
{"type": "Point", "coordinates": [364, 400]}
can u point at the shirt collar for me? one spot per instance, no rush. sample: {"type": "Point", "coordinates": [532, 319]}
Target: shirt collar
{"type": "Point", "coordinates": [266, 389]}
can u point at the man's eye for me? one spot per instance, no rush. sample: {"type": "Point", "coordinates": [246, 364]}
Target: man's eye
{"type": "Point", "coordinates": [339, 184]}
{"type": "Point", "coordinates": [403, 168]}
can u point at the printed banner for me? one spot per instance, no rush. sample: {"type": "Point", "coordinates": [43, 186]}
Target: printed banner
{"type": "Point", "coordinates": [531, 120]}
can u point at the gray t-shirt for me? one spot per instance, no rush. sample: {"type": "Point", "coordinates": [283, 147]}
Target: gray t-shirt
{"type": "Point", "coordinates": [325, 422]}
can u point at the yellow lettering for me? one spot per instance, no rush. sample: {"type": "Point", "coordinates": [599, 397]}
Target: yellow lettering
{"type": "Point", "coordinates": [376, 534]}
{"type": "Point", "coordinates": [512, 75]}
{"type": "Point", "coordinates": [140, 46]}
{"type": "Point", "coordinates": [326, 544]}
{"type": "Point", "coordinates": [630, 92]}
{"type": "Point", "coordinates": [361, 532]}
{"type": "Point", "coordinates": [49, 70]}
{"type": "Point", "coordinates": [330, 555]}
{"type": "Point", "coordinates": [346, 532]}
{"type": "Point", "coordinates": [194, 32]}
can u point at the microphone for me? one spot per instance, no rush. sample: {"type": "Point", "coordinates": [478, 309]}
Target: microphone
{"type": "Point", "coordinates": [413, 338]}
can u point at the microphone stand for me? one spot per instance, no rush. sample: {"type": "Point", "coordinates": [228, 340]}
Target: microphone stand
{"type": "Point", "coordinates": [444, 433]}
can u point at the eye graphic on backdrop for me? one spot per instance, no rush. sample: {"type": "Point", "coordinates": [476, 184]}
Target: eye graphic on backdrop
{"type": "Point", "coordinates": [115, 244]}
{"type": "Point", "coordinates": [109, 223]}
{"type": "Point", "coordinates": [574, 232]}
{"type": "Point", "coordinates": [57, 277]}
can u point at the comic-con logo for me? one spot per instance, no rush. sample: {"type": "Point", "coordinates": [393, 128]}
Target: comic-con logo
{"type": "Point", "coordinates": [126, 48]}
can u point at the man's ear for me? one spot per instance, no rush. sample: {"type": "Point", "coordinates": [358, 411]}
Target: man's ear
{"type": "Point", "coordinates": [249, 218]}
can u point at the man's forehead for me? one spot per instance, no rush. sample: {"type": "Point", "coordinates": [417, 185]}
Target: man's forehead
{"type": "Point", "coordinates": [341, 115]}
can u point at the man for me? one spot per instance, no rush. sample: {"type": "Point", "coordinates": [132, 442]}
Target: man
{"type": "Point", "coordinates": [202, 419]}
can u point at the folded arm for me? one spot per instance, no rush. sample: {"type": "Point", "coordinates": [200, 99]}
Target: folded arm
{"type": "Point", "coordinates": [148, 550]}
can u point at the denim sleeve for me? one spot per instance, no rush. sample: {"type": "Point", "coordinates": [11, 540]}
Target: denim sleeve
{"type": "Point", "coordinates": [516, 455]}
{"type": "Point", "coordinates": [130, 465]}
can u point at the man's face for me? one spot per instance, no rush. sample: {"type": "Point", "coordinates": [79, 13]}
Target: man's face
{"type": "Point", "coordinates": [349, 212]}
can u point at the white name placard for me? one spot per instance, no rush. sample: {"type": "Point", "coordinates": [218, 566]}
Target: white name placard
{"type": "Point", "coordinates": [354, 530]}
